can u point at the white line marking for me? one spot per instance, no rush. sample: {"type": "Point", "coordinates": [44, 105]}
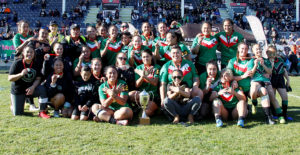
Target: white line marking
{"type": "Point", "coordinates": [294, 96]}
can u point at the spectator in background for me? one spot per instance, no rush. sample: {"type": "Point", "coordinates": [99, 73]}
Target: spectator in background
{"type": "Point", "coordinates": [4, 2]}
{"type": "Point", "coordinates": [43, 4]}
{"type": "Point", "coordinates": [56, 13]}
{"type": "Point", "coordinates": [38, 24]}
{"type": "Point", "coordinates": [43, 13]}
{"type": "Point", "coordinates": [15, 17]}
{"type": "Point", "coordinates": [294, 62]}
{"type": "Point", "coordinates": [100, 16]}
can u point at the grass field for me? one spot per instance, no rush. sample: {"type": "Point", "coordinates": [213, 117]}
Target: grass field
{"type": "Point", "coordinates": [32, 135]}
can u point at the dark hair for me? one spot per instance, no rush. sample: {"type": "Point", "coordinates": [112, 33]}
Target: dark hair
{"type": "Point", "coordinates": [176, 47]}
{"type": "Point", "coordinates": [86, 68]}
{"type": "Point", "coordinates": [20, 23]}
{"type": "Point", "coordinates": [118, 55]}
{"type": "Point", "coordinates": [98, 25]}
{"type": "Point", "coordinates": [148, 51]}
{"type": "Point", "coordinates": [177, 35]}
{"type": "Point", "coordinates": [96, 59]}
{"type": "Point", "coordinates": [108, 67]}
{"type": "Point", "coordinates": [229, 20]}
{"type": "Point", "coordinates": [212, 62]}
{"type": "Point", "coordinates": [128, 34]}
{"type": "Point", "coordinates": [91, 27]}
{"type": "Point", "coordinates": [206, 22]}
{"type": "Point", "coordinates": [57, 59]}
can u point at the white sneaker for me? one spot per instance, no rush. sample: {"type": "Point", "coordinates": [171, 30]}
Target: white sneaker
{"type": "Point", "coordinates": [32, 107]}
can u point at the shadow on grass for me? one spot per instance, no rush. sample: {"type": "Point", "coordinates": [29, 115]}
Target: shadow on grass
{"type": "Point", "coordinates": [250, 121]}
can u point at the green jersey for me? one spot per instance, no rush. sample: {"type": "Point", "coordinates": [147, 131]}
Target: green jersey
{"type": "Point", "coordinates": [113, 49]}
{"type": "Point", "coordinates": [165, 52]}
{"type": "Point", "coordinates": [147, 86]}
{"type": "Point", "coordinates": [137, 54]}
{"type": "Point", "coordinates": [125, 49]}
{"type": "Point", "coordinates": [147, 41]}
{"type": "Point", "coordinates": [228, 45]}
{"type": "Point", "coordinates": [203, 79]}
{"type": "Point", "coordinates": [89, 63]}
{"type": "Point", "coordinates": [162, 41]}
{"type": "Point", "coordinates": [114, 106]}
{"type": "Point", "coordinates": [260, 71]}
{"type": "Point", "coordinates": [207, 50]}
{"type": "Point", "coordinates": [95, 52]}
{"type": "Point", "coordinates": [239, 68]}
{"type": "Point", "coordinates": [228, 100]}
{"type": "Point", "coordinates": [186, 66]}
{"type": "Point", "coordinates": [278, 67]}
{"type": "Point", "coordinates": [19, 39]}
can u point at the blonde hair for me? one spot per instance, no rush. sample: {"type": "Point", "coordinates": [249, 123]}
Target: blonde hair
{"type": "Point", "coordinates": [227, 72]}
{"type": "Point", "coordinates": [20, 23]}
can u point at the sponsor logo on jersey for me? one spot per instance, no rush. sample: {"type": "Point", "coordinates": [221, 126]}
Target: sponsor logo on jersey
{"type": "Point", "coordinates": [240, 67]}
{"type": "Point", "coordinates": [227, 97]}
{"type": "Point", "coordinates": [209, 43]}
{"type": "Point", "coordinates": [234, 40]}
{"type": "Point", "coordinates": [22, 40]}
{"type": "Point", "coordinates": [185, 69]}
{"type": "Point", "coordinates": [115, 47]}
{"type": "Point", "coordinates": [137, 57]}
{"type": "Point", "coordinates": [92, 46]}
{"type": "Point", "coordinates": [30, 76]}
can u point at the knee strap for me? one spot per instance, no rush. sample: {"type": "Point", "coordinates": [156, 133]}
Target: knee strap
{"type": "Point", "coordinates": [100, 111]}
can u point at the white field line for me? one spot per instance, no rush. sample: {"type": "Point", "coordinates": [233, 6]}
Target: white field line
{"type": "Point", "coordinates": [298, 97]}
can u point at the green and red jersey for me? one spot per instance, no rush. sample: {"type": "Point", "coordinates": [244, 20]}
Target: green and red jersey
{"type": "Point", "coordinates": [113, 49]}
{"type": "Point", "coordinates": [207, 50]}
{"type": "Point", "coordinates": [203, 79]}
{"type": "Point", "coordinates": [163, 41]}
{"type": "Point", "coordinates": [95, 52]}
{"type": "Point", "coordinates": [165, 52]}
{"type": "Point", "coordinates": [228, 45]}
{"type": "Point", "coordinates": [186, 66]}
{"type": "Point", "coordinates": [147, 41]}
{"type": "Point", "coordinates": [19, 39]}
{"type": "Point", "coordinates": [228, 100]}
{"type": "Point", "coordinates": [137, 54]}
{"type": "Point", "coordinates": [260, 71]}
{"type": "Point", "coordinates": [147, 86]}
{"type": "Point", "coordinates": [239, 67]}
{"type": "Point", "coordinates": [113, 106]}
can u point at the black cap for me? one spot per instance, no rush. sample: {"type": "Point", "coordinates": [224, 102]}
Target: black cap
{"type": "Point", "coordinates": [53, 22]}
{"type": "Point", "coordinates": [73, 26]}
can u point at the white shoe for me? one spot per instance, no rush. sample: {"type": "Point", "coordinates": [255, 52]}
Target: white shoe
{"type": "Point", "coordinates": [32, 107]}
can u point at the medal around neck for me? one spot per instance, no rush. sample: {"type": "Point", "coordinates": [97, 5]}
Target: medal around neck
{"type": "Point", "coordinates": [144, 100]}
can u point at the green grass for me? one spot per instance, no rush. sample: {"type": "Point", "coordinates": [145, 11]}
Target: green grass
{"type": "Point", "coordinates": [32, 135]}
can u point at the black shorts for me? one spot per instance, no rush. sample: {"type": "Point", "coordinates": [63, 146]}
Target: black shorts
{"type": "Point", "coordinates": [229, 110]}
{"type": "Point", "coordinates": [200, 68]}
{"type": "Point", "coordinates": [207, 96]}
{"type": "Point", "coordinates": [277, 81]}
{"type": "Point", "coordinates": [263, 84]}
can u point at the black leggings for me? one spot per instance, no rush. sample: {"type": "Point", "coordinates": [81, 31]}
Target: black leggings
{"type": "Point", "coordinates": [18, 101]}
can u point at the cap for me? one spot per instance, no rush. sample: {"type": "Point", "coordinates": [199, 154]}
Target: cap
{"type": "Point", "coordinates": [53, 22]}
{"type": "Point", "coordinates": [73, 26]}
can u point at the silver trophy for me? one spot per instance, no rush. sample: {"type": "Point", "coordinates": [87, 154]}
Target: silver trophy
{"type": "Point", "coordinates": [144, 100]}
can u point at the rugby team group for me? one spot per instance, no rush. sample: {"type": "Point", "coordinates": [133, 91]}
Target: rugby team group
{"type": "Point", "coordinates": [100, 76]}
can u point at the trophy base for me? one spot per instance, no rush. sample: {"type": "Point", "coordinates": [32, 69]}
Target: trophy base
{"type": "Point", "coordinates": [144, 121]}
